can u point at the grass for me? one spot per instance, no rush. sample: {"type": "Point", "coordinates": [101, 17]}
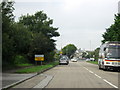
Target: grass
{"type": "Point", "coordinates": [93, 62]}
{"type": "Point", "coordinates": [37, 68]}
{"type": "Point", "coordinates": [22, 65]}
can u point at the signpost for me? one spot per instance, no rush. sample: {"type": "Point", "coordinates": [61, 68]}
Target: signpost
{"type": "Point", "coordinates": [61, 52]}
{"type": "Point", "coordinates": [39, 58]}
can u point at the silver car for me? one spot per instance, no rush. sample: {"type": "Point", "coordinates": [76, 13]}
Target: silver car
{"type": "Point", "coordinates": [64, 60]}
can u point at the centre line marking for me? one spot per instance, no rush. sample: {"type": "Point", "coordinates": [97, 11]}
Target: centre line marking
{"type": "Point", "coordinates": [97, 76]}
{"type": "Point", "coordinates": [110, 83]}
{"type": "Point", "coordinates": [90, 71]}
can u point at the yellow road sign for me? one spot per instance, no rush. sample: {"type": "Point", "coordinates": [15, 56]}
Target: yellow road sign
{"type": "Point", "coordinates": [39, 57]}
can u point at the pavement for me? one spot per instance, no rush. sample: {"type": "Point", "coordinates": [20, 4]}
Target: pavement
{"type": "Point", "coordinates": [75, 75]}
{"type": "Point", "coordinates": [9, 79]}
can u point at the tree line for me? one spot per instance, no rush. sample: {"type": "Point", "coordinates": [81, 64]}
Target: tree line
{"type": "Point", "coordinates": [31, 35]}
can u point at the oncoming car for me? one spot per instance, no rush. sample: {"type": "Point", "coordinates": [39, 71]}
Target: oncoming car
{"type": "Point", "coordinates": [74, 59]}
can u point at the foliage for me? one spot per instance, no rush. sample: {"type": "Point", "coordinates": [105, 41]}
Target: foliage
{"type": "Point", "coordinates": [84, 55]}
{"type": "Point", "coordinates": [96, 54]}
{"type": "Point", "coordinates": [42, 32]}
{"type": "Point", "coordinates": [32, 34]}
{"type": "Point", "coordinates": [69, 50]}
{"type": "Point", "coordinates": [90, 54]}
{"type": "Point", "coordinates": [57, 56]}
{"type": "Point", "coordinates": [113, 32]}
{"type": "Point", "coordinates": [93, 54]}
{"type": "Point", "coordinates": [7, 40]}
{"type": "Point", "coordinates": [20, 60]}
{"type": "Point", "coordinates": [22, 38]}
{"type": "Point", "coordinates": [39, 22]}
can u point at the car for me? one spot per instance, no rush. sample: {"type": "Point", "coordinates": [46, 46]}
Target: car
{"type": "Point", "coordinates": [87, 59]}
{"type": "Point", "coordinates": [64, 60]}
{"type": "Point", "coordinates": [74, 59]}
{"type": "Point", "coordinates": [92, 59]}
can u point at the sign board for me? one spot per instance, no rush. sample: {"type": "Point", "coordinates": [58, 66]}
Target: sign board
{"type": "Point", "coordinates": [39, 57]}
{"type": "Point", "coordinates": [61, 52]}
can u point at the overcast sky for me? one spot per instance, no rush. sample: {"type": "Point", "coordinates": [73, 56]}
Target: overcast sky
{"type": "Point", "coordinates": [80, 22]}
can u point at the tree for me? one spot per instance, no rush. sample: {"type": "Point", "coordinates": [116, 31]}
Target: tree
{"type": "Point", "coordinates": [69, 49]}
{"type": "Point", "coordinates": [7, 40]}
{"type": "Point", "coordinates": [39, 22]}
{"type": "Point", "coordinates": [32, 34]}
{"type": "Point", "coordinates": [22, 38]}
{"type": "Point", "coordinates": [113, 32]}
{"type": "Point", "coordinates": [96, 53]}
{"type": "Point", "coordinates": [42, 33]}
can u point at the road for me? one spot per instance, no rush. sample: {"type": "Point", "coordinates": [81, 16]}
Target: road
{"type": "Point", "coordinates": [75, 75]}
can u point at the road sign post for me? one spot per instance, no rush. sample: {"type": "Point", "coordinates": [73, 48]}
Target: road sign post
{"type": "Point", "coordinates": [39, 58]}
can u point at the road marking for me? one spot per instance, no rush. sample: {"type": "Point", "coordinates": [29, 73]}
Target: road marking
{"type": "Point", "coordinates": [110, 83]}
{"type": "Point", "coordinates": [101, 78]}
{"type": "Point", "coordinates": [90, 71]}
{"type": "Point", "coordinates": [44, 82]}
{"type": "Point", "coordinates": [85, 68]}
{"type": "Point", "coordinates": [97, 76]}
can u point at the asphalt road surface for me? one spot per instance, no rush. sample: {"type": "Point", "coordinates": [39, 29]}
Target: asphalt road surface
{"type": "Point", "coordinates": [75, 75]}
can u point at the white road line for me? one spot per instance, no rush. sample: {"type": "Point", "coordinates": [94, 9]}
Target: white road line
{"type": "Point", "coordinates": [85, 68]}
{"type": "Point", "coordinates": [110, 83]}
{"type": "Point", "coordinates": [101, 78]}
{"type": "Point", "coordinates": [97, 76]}
{"type": "Point", "coordinates": [90, 71]}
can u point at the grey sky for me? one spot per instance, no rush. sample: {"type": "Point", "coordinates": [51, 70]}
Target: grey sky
{"type": "Point", "coordinates": [79, 21]}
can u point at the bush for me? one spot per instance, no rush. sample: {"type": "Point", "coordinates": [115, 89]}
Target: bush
{"type": "Point", "coordinates": [19, 59]}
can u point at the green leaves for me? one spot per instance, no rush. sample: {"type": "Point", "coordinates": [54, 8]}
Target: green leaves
{"type": "Point", "coordinates": [113, 32]}
{"type": "Point", "coordinates": [42, 32]}
{"type": "Point", "coordinates": [69, 49]}
{"type": "Point", "coordinates": [31, 35]}
{"type": "Point", "coordinates": [39, 22]}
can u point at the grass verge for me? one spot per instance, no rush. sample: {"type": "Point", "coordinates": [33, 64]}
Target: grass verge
{"type": "Point", "coordinates": [37, 68]}
{"type": "Point", "coordinates": [93, 62]}
{"type": "Point", "coordinates": [22, 65]}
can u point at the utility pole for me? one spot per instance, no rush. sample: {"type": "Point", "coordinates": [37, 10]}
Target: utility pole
{"type": "Point", "coordinates": [119, 7]}
{"type": "Point", "coordinates": [90, 48]}
{"type": "Point", "coordinates": [90, 45]}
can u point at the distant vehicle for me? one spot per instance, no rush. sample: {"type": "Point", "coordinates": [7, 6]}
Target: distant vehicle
{"type": "Point", "coordinates": [92, 59]}
{"type": "Point", "coordinates": [74, 59]}
{"type": "Point", "coordinates": [87, 59]}
{"type": "Point", "coordinates": [109, 56]}
{"type": "Point", "coordinates": [64, 60]}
